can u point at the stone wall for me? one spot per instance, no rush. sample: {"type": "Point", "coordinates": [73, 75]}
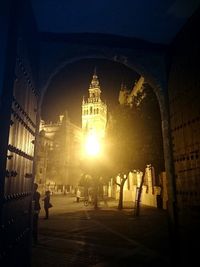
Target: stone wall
{"type": "Point", "coordinates": [154, 195]}
{"type": "Point", "coordinates": [184, 98]}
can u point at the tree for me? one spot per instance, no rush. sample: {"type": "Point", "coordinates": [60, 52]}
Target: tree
{"type": "Point", "coordinates": [151, 127]}
{"type": "Point", "coordinates": [152, 148]}
{"type": "Point", "coordinates": [135, 139]}
{"type": "Point", "coordinates": [92, 177]}
{"type": "Point", "coordinates": [122, 143]}
{"type": "Point", "coordinates": [86, 183]}
{"type": "Point", "coordinates": [123, 179]}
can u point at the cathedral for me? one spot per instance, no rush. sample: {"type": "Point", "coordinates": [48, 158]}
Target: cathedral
{"type": "Point", "coordinates": [58, 156]}
{"type": "Point", "coordinates": [94, 110]}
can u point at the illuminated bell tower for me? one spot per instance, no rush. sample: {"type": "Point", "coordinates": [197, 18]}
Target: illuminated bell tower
{"type": "Point", "coordinates": [94, 111]}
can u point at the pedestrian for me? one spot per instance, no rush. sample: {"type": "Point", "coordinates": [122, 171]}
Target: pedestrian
{"type": "Point", "coordinates": [47, 204]}
{"type": "Point", "coordinates": [105, 201]}
{"type": "Point", "coordinates": [36, 211]}
{"type": "Point", "coordinates": [78, 195]}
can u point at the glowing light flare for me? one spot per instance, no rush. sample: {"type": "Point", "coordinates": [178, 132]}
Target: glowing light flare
{"type": "Point", "coordinates": [92, 145]}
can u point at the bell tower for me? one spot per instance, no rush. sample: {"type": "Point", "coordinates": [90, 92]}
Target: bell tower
{"type": "Point", "coordinates": [94, 110]}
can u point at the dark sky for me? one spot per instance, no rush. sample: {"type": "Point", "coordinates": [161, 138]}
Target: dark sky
{"type": "Point", "coordinates": [152, 20]}
{"type": "Point", "coordinates": [71, 84]}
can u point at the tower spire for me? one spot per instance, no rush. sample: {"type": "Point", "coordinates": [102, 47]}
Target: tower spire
{"type": "Point", "coordinates": [94, 110]}
{"type": "Point", "coordinates": [94, 89]}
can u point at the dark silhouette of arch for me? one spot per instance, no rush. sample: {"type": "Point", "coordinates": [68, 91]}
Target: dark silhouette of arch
{"type": "Point", "coordinates": [145, 58]}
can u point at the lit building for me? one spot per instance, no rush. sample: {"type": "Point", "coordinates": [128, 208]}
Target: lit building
{"type": "Point", "coordinates": [94, 111]}
{"type": "Point", "coordinates": [58, 155]}
{"type": "Point", "coordinates": [126, 97]}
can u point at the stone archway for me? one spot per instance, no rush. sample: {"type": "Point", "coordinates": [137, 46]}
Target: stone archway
{"type": "Point", "coordinates": [147, 62]}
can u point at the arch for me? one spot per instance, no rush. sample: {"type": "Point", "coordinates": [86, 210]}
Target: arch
{"type": "Point", "coordinates": [159, 85]}
{"type": "Point", "coordinates": [149, 63]}
{"type": "Point", "coordinates": [156, 80]}
{"type": "Point", "coordinates": [145, 58]}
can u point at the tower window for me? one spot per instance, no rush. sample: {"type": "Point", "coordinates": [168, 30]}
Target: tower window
{"type": "Point", "coordinates": [90, 110]}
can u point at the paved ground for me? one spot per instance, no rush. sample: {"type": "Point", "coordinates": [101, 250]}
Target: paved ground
{"type": "Point", "coordinates": [80, 236]}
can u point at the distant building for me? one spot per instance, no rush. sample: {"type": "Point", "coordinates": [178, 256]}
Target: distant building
{"type": "Point", "coordinates": [60, 143]}
{"type": "Point", "coordinates": [58, 155]}
{"type": "Point", "coordinates": [126, 97]}
{"type": "Point", "coordinates": [94, 110]}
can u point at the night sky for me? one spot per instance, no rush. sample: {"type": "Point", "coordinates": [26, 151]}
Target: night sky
{"type": "Point", "coordinates": [71, 84]}
{"type": "Point", "coordinates": [151, 20]}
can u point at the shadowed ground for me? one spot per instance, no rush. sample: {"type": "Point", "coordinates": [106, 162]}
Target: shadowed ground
{"type": "Point", "coordinates": [76, 235]}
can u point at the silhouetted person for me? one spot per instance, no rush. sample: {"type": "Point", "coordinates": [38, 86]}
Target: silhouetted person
{"type": "Point", "coordinates": [47, 204]}
{"type": "Point", "coordinates": [78, 195]}
{"type": "Point", "coordinates": [36, 211]}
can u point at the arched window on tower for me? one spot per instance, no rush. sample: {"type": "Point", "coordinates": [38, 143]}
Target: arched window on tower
{"type": "Point", "coordinates": [97, 110]}
{"type": "Point", "coordinates": [90, 110]}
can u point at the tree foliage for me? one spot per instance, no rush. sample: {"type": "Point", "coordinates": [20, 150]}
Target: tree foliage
{"type": "Point", "coordinates": [152, 141]}
{"type": "Point", "coordinates": [122, 139]}
{"type": "Point", "coordinates": [134, 136]}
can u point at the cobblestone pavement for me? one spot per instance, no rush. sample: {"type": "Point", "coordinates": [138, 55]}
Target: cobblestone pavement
{"type": "Point", "coordinates": [80, 236]}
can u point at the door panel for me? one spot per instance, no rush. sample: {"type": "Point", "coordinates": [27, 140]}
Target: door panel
{"type": "Point", "coordinates": [16, 210]}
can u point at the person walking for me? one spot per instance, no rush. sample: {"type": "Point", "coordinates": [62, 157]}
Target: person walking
{"type": "Point", "coordinates": [36, 211]}
{"type": "Point", "coordinates": [47, 204]}
{"type": "Point", "coordinates": [78, 195]}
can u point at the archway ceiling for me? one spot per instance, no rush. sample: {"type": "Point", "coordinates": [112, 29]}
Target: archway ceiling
{"type": "Point", "coordinates": [151, 20]}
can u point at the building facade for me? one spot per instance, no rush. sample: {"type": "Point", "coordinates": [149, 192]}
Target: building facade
{"type": "Point", "coordinates": [60, 144]}
{"type": "Point", "coordinates": [153, 194]}
{"type": "Point", "coordinates": [94, 110]}
{"type": "Point", "coordinates": [58, 156]}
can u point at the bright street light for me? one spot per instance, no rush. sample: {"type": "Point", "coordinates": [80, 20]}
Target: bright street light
{"type": "Point", "coordinates": [92, 145]}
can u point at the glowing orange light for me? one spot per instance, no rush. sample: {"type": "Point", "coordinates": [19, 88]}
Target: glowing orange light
{"type": "Point", "coordinates": [92, 145]}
